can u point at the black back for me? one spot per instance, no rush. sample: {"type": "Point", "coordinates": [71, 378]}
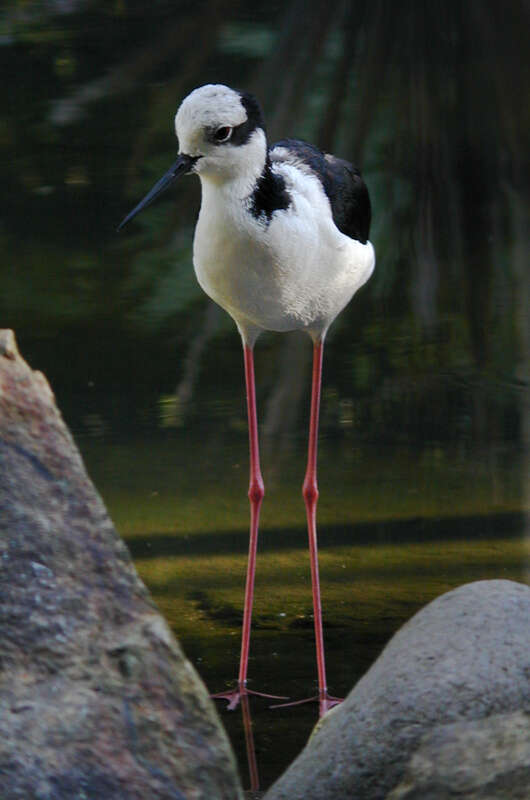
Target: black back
{"type": "Point", "coordinates": [342, 182]}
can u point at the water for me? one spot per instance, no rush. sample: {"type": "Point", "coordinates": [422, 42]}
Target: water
{"type": "Point", "coordinates": [425, 429]}
{"type": "Point", "coordinates": [397, 528]}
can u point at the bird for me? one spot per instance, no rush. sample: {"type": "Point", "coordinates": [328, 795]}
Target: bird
{"type": "Point", "coordinates": [281, 244]}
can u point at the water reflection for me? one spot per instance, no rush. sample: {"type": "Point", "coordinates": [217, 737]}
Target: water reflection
{"type": "Point", "coordinates": [397, 529]}
{"type": "Point", "coordinates": [505, 525]}
{"type": "Point", "coordinates": [249, 743]}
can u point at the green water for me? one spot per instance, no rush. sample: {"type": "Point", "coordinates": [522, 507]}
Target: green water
{"type": "Point", "coordinates": [396, 529]}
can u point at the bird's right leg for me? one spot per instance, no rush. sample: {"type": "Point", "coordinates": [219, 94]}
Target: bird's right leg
{"type": "Point", "coordinates": [256, 492]}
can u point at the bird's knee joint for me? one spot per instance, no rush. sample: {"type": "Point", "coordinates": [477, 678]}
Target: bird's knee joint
{"type": "Point", "coordinates": [256, 492]}
{"type": "Point", "coordinates": [310, 493]}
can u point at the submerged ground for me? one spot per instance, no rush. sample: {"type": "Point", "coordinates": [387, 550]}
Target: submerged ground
{"type": "Point", "coordinates": [397, 528]}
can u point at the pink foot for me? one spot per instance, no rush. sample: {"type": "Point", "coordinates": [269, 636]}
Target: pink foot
{"type": "Point", "coordinates": [325, 701]}
{"type": "Point", "coordinates": [234, 696]}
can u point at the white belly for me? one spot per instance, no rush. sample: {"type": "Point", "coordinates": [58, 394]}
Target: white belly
{"type": "Point", "coordinates": [285, 276]}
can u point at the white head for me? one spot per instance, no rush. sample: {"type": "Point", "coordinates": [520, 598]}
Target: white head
{"type": "Point", "coordinates": [224, 130]}
{"type": "Point", "coordinates": [221, 136]}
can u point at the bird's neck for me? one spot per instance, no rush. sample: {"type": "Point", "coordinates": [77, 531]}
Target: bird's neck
{"type": "Point", "coordinates": [241, 169]}
{"type": "Point", "coordinates": [236, 187]}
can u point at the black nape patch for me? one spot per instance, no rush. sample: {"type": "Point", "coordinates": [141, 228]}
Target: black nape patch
{"type": "Point", "coordinates": [253, 109]}
{"type": "Point", "coordinates": [270, 194]}
{"type": "Point", "coordinates": [344, 187]}
{"type": "Point", "coordinates": [242, 133]}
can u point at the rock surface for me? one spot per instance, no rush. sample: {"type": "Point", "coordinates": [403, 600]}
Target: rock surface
{"type": "Point", "coordinates": [96, 698]}
{"type": "Point", "coordinates": [486, 759]}
{"type": "Point", "coordinates": [465, 656]}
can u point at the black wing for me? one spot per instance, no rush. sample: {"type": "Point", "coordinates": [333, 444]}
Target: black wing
{"type": "Point", "coordinates": [342, 183]}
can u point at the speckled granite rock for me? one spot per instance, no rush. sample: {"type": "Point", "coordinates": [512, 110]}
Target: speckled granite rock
{"type": "Point", "coordinates": [486, 759]}
{"type": "Point", "coordinates": [465, 656]}
{"type": "Point", "coordinates": [96, 698]}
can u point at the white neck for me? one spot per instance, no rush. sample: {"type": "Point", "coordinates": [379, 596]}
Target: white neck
{"type": "Point", "coordinates": [238, 168]}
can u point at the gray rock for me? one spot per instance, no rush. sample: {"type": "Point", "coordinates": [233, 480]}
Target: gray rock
{"type": "Point", "coordinates": [486, 759]}
{"type": "Point", "coordinates": [465, 656]}
{"type": "Point", "coordinates": [96, 697]}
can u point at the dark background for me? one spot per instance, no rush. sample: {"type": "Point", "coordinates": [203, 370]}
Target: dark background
{"type": "Point", "coordinates": [430, 99]}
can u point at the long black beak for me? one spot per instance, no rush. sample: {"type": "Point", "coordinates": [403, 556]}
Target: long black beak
{"type": "Point", "coordinates": [182, 165]}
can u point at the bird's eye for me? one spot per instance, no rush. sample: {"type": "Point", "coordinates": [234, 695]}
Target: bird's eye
{"type": "Point", "coordinates": [222, 134]}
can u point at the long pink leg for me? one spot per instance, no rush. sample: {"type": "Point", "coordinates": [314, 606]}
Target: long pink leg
{"type": "Point", "coordinates": [256, 492]}
{"type": "Point", "coordinates": [310, 494]}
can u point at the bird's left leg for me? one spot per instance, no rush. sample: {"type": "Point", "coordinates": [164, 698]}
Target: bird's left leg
{"type": "Point", "coordinates": [310, 494]}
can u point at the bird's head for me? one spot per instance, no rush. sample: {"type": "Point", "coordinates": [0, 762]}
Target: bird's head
{"type": "Point", "coordinates": [222, 129]}
{"type": "Point", "coordinates": [221, 135]}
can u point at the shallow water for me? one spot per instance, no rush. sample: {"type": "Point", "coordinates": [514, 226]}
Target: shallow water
{"type": "Point", "coordinates": [400, 528]}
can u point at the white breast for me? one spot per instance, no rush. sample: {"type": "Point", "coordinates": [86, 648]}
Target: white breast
{"type": "Point", "coordinates": [296, 272]}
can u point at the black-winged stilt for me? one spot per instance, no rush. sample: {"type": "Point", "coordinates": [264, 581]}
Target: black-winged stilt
{"type": "Point", "coordinates": [281, 244]}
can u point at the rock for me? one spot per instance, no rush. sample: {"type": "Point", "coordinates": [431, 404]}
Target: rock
{"type": "Point", "coordinates": [465, 656]}
{"type": "Point", "coordinates": [486, 759]}
{"type": "Point", "coordinates": [96, 697]}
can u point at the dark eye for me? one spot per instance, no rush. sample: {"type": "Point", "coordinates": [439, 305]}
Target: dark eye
{"type": "Point", "coordinates": [222, 134]}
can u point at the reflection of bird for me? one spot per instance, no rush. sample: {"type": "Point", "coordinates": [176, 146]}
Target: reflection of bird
{"type": "Point", "coordinates": [281, 243]}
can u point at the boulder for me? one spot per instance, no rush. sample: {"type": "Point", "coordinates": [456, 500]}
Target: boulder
{"type": "Point", "coordinates": [465, 656]}
{"type": "Point", "coordinates": [485, 759]}
{"type": "Point", "coordinates": [96, 697]}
